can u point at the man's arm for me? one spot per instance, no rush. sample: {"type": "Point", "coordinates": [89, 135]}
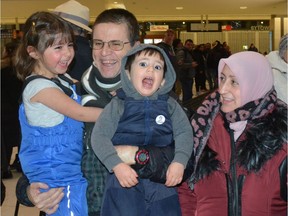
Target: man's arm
{"type": "Point", "coordinates": [30, 195]}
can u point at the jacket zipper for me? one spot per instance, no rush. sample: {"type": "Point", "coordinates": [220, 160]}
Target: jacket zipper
{"type": "Point", "coordinates": [147, 122]}
{"type": "Point", "coordinates": [234, 199]}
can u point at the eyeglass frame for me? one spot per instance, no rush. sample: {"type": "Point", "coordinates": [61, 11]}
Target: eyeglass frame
{"type": "Point", "coordinates": [108, 42]}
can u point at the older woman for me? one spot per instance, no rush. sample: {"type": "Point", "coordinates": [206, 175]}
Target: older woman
{"type": "Point", "coordinates": [241, 143]}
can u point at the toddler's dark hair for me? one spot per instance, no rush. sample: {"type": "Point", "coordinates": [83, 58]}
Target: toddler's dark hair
{"type": "Point", "coordinates": [147, 51]}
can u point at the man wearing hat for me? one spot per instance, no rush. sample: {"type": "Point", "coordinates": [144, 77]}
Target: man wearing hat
{"type": "Point", "coordinates": [78, 16]}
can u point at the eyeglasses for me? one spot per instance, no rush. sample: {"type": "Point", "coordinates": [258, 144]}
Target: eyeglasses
{"type": "Point", "coordinates": [115, 45]}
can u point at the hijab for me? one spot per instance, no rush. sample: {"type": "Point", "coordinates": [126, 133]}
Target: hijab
{"type": "Point", "coordinates": [253, 73]}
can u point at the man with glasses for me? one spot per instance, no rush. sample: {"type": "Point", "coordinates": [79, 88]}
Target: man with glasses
{"type": "Point", "coordinates": [115, 32]}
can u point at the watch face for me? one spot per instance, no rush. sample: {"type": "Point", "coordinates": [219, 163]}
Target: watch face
{"type": "Point", "coordinates": [142, 157]}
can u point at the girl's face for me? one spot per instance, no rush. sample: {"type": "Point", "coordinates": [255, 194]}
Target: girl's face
{"type": "Point", "coordinates": [229, 90]}
{"type": "Point", "coordinates": [147, 73]}
{"type": "Point", "coordinates": [56, 58]}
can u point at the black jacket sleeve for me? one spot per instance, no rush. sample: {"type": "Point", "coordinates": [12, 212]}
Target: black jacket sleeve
{"type": "Point", "coordinates": [160, 159]}
{"type": "Point", "coordinates": [21, 191]}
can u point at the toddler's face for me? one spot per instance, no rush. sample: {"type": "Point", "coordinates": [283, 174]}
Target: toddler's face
{"type": "Point", "coordinates": [147, 73]}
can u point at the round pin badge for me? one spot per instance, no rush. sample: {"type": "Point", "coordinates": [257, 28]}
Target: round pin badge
{"type": "Point", "coordinates": [160, 119]}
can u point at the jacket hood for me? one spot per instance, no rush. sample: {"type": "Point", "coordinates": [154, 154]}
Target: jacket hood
{"type": "Point", "coordinates": [169, 75]}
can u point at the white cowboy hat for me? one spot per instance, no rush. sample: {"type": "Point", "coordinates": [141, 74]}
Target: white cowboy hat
{"type": "Point", "coordinates": [75, 13]}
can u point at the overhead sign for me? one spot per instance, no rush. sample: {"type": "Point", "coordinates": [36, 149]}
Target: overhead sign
{"type": "Point", "coordinates": [226, 27]}
{"type": "Point", "coordinates": [159, 27]}
{"type": "Point", "coordinates": [204, 27]}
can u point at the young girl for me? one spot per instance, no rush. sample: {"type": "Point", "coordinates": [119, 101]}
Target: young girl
{"type": "Point", "coordinates": [50, 114]}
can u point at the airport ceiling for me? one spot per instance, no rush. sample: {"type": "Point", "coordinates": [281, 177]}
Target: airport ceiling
{"type": "Point", "coordinates": [158, 10]}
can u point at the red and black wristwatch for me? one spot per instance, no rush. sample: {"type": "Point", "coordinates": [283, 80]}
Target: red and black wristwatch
{"type": "Point", "coordinates": [142, 157]}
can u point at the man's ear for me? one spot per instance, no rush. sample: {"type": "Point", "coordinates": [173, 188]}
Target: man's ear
{"type": "Point", "coordinates": [32, 52]}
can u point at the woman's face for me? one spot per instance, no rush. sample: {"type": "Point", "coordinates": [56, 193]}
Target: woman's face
{"type": "Point", "coordinates": [229, 90]}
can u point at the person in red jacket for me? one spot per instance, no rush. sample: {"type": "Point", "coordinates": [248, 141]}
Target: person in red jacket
{"type": "Point", "coordinates": [240, 139]}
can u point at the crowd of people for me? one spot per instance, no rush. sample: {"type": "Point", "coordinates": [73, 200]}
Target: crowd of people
{"type": "Point", "coordinates": [197, 64]}
{"type": "Point", "coordinates": [144, 156]}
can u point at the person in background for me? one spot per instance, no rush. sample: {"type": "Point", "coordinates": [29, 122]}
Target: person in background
{"type": "Point", "coordinates": [253, 48]}
{"type": "Point", "coordinates": [177, 45]}
{"type": "Point", "coordinates": [167, 46]}
{"type": "Point", "coordinates": [11, 88]}
{"type": "Point", "coordinates": [217, 52]}
{"type": "Point", "coordinates": [186, 66]}
{"type": "Point", "coordinates": [200, 75]}
{"type": "Point", "coordinates": [209, 77]}
{"type": "Point", "coordinates": [78, 16]}
{"type": "Point", "coordinates": [279, 63]}
{"type": "Point", "coordinates": [147, 77]}
{"type": "Point", "coordinates": [227, 48]}
{"type": "Point", "coordinates": [52, 134]}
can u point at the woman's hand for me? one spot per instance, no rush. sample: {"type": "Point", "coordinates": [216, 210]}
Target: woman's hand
{"type": "Point", "coordinates": [48, 201]}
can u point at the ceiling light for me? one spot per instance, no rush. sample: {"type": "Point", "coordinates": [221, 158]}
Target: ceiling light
{"type": "Point", "coordinates": [179, 8]}
{"type": "Point", "coordinates": [243, 7]}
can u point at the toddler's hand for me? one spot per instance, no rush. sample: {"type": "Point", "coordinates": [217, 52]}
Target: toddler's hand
{"type": "Point", "coordinates": [174, 174]}
{"type": "Point", "coordinates": [126, 176]}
